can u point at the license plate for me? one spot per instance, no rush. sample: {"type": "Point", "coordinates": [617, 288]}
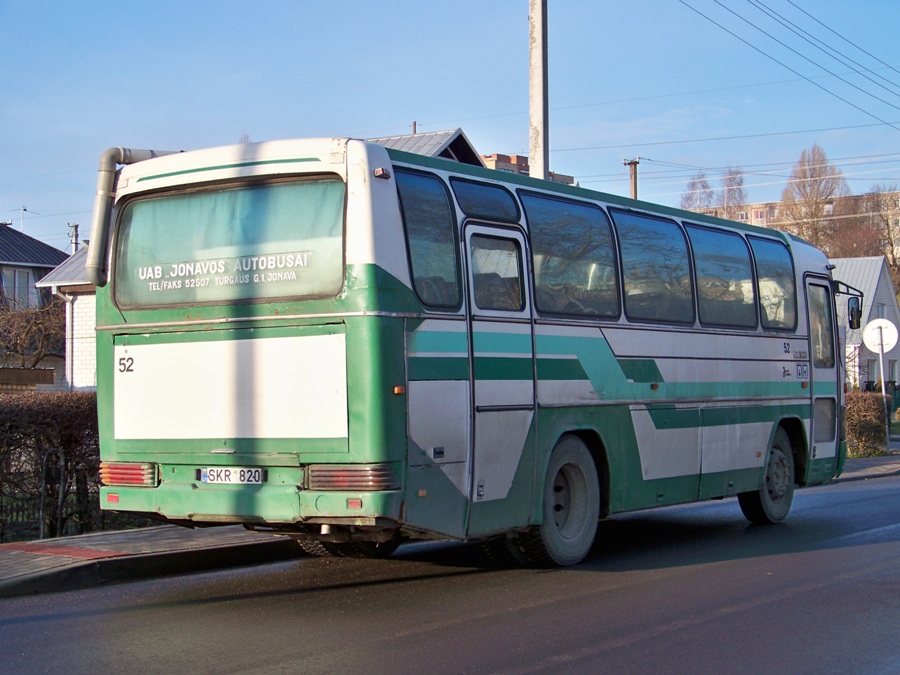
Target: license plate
{"type": "Point", "coordinates": [233, 475]}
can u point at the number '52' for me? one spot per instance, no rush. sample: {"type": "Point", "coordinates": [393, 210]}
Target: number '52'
{"type": "Point", "coordinates": [126, 364]}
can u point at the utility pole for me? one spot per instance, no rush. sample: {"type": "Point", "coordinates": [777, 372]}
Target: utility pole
{"type": "Point", "coordinates": [73, 236]}
{"type": "Point", "coordinates": [632, 166]}
{"type": "Point", "coordinates": [538, 98]}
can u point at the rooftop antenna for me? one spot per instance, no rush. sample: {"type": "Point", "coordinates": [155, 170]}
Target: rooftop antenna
{"type": "Point", "coordinates": [22, 211]}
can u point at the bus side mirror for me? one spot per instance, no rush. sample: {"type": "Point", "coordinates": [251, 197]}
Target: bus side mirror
{"type": "Point", "coordinates": [854, 312]}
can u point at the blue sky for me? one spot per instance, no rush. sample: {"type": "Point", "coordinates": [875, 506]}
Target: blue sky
{"type": "Point", "coordinates": [647, 78]}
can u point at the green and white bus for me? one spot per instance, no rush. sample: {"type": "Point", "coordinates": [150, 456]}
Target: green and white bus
{"type": "Point", "coordinates": [355, 346]}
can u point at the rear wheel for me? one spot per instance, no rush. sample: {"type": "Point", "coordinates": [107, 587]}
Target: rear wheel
{"type": "Point", "coordinates": [772, 501]}
{"type": "Point", "coordinates": [352, 549]}
{"type": "Point", "coordinates": [362, 549]}
{"type": "Point", "coordinates": [571, 509]}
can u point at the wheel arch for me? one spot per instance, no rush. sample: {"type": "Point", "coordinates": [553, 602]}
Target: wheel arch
{"type": "Point", "coordinates": [597, 448]}
{"type": "Point", "coordinates": [796, 432]}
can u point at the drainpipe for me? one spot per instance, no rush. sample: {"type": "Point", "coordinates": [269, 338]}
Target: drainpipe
{"type": "Point", "coordinates": [70, 334]}
{"type": "Point", "coordinates": [98, 249]}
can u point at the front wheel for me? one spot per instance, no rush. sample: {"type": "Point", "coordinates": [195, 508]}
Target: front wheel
{"type": "Point", "coordinates": [571, 509]}
{"type": "Point", "coordinates": [772, 501]}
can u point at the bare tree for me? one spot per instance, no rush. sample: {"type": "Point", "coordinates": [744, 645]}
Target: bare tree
{"type": "Point", "coordinates": [29, 334]}
{"type": "Point", "coordinates": [699, 195]}
{"type": "Point", "coordinates": [732, 194]}
{"type": "Point", "coordinates": [853, 234]}
{"type": "Point", "coordinates": [879, 209]}
{"type": "Point", "coordinates": [809, 199]}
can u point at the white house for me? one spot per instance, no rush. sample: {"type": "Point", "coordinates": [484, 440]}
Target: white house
{"type": "Point", "coordinates": [69, 281]}
{"type": "Point", "coordinates": [871, 276]}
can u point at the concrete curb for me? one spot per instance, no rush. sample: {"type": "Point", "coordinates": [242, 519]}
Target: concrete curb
{"type": "Point", "coordinates": [846, 478]}
{"type": "Point", "coordinates": [91, 573]}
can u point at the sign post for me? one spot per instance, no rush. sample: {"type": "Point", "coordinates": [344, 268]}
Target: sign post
{"type": "Point", "coordinates": [880, 335]}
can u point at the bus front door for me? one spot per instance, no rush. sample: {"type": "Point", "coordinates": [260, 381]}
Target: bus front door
{"type": "Point", "coordinates": [824, 381]}
{"type": "Point", "coordinates": [502, 357]}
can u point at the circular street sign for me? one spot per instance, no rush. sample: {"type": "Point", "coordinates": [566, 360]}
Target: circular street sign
{"type": "Point", "coordinates": [880, 335]}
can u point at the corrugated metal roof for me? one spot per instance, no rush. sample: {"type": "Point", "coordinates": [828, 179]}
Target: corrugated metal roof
{"type": "Point", "coordinates": [17, 248]}
{"type": "Point", "coordinates": [863, 274]}
{"type": "Point", "coordinates": [451, 144]}
{"type": "Point", "coordinates": [71, 273]}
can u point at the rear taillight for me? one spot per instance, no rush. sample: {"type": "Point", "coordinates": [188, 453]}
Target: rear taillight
{"type": "Point", "coordinates": [354, 477]}
{"type": "Point", "coordinates": [129, 473]}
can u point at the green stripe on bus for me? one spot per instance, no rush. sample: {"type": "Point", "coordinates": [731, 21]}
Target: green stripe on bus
{"type": "Point", "coordinates": [438, 341]}
{"type": "Point", "coordinates": [438, 368]}
{"type": "Point", "coordinates": [502, 343]}
{"type": "Point", "coordinates": [670, 417]}
{"type": "Point", "coordinates": [503, 368]}
{"type": "Point", "coordinates": [641, 370]}
{"type": "Point", "coordinates": [237, 165]}
{"type": "Point", "coordinates": [560, 369]}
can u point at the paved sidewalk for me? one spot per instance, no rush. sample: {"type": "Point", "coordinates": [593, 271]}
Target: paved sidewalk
{"type": "Point", "coordinates": [68, 563]}
{"type": "Point", "coordinates": [88, 560]}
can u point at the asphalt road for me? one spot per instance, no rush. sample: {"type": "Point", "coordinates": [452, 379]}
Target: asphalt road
{"type": "Point", "coordinates": [682, 590]}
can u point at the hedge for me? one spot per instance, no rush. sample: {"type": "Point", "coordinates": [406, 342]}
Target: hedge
{"type": "Point", "coordinates": [866, 424]}
{"type": "Point", "coordinates": [33, 427]}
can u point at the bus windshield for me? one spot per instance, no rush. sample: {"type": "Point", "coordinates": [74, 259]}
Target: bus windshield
{"type": "Point", "coordinates": [275, 240]}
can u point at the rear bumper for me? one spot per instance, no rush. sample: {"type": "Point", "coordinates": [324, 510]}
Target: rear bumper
{"type": "Point", "coordinates": [253, 504]}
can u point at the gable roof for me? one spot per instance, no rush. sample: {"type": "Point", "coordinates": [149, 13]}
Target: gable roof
{"type": "Point", "coordinates": [70, 273]}
{"type": "Point", "coordinates": [451, 144]}
{"type": "Point", "coordinates": [17, 248]}
{"type": "Point", "coordinates": [863, 274]}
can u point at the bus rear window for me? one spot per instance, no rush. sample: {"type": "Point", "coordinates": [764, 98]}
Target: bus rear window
{"type": "Point", "coordinates": [277, 240]}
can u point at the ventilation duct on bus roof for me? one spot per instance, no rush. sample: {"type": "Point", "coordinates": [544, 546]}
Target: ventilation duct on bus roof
{"type": "Point", "coordinates": [98, 249]}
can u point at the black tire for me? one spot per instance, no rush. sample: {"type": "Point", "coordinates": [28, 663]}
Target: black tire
{"type": "Point", "coordinates": [313, 548]}
{"type": "Point", "coordinates": [772, 501]}
{"type": "Point", "coordinates": [362, 549]}
{"type": "Point", "coordinates": [571, 509]}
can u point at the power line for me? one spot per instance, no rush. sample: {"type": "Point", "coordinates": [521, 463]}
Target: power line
{"type": "Point", "coordinates": [710, 139]}
{"type": "Point", "coordinates": [806, 58]}
{"type": "Point", "coordinates": [784, 65]}
{"type": "Point", "coordinates": [853, 44]}
{"type": "Point", "coordinates": [823, 47]}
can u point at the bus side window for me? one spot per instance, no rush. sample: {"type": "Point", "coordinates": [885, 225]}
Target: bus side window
{"type": "Point", "coordinates": [497, 273]}
{"type": "Point", "coordinates": [574, 258]}
{"type": "Point", "coordinates": [775, 284]}
{"type": "Point", "coordinates": [655, 267]}
{"type": "Point", "coordinates": [724, 278]}
{"type": "Point", "coordinates": [430, 238]}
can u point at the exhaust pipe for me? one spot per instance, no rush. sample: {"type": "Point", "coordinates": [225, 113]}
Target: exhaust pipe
{"type": "Point", "coordinates": [98, 248]}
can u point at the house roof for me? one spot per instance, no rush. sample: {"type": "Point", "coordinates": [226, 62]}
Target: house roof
{"type": "Point", "coordinates": [862, 274]}
{"type": "Point", "coordinates": [451, 144]}
{"type": "Point", "coordinates": [17, 248]}
{"type": "Point", "coordinates": [71, 273]}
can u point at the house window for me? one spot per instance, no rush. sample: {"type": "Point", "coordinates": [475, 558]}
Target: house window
{"type": "Point", "coordinates": [18, 287]}
{"type": "Point", "coordinates": [871, 374]}
{"type": "Point", "coordinates": [880, 310]}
